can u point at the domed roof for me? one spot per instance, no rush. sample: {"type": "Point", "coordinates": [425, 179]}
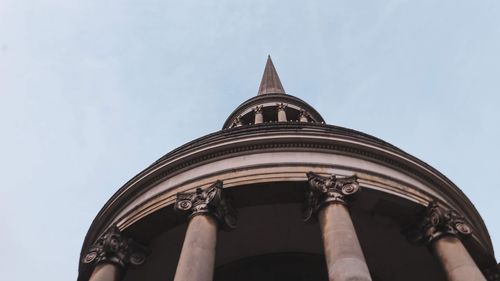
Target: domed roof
{"type": "Point", "coordinates": [272, 104]}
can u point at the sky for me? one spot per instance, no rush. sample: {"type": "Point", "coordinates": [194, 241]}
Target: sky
{"type": "Point", "coordinates": [92, 92]}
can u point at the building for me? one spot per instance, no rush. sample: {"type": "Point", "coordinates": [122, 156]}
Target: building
{"type": "Point", "coordinates": [277, 194]}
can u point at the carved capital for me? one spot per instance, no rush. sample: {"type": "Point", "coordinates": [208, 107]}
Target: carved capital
{"type": "Point", "coordinates": [237, 122]}
{"type": "Point", "coordinates": [281, 106]}
{"type": "Point", "coordinates": [327, 190]}
{"type": "Point", "coordinates": [303, 115]}
{"type": "Point", "coordinates": [438, 222]}
{"type": "Point", "coordinates": [116, 248]}
{"type": "Point", "coordinates": [209, 201]}
{"type": "Point", "coordinates": [257, 109]}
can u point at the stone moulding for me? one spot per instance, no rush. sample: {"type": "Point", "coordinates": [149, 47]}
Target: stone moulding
{"type": "Point", "coordinates": [436, 223]}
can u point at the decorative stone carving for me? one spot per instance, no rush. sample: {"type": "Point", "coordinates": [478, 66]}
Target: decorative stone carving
{"type": "Point", "coordinates": [116, 248]}
{"type": "Point", "coordinates": [438, 222]}
{"type": "Point", "coordinates": [281, 106]}
{"type": "Point", "coordinates": [237, 122]}
{"type": "Point", "coordinates": [258, 114]}
{"type": "Point", "coordinates": [281, 112]}
{"type": "Point", "coordinates": [257, 109]}
{"type": "Point", "coordinates": [303, 116]}
{"type": "Point", "coordinates": [208, 201]}
{"type": "Point", "coordinates": [327, 190]}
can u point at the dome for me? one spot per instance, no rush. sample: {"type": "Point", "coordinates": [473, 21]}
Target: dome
{"type": "Point", "coordinates": [277, 194]}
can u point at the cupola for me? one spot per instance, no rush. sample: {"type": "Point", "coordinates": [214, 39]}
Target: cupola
{"type": "Point", "coordinates": [272, 105]}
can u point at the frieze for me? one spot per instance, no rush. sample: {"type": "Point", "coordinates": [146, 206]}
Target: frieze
{"type": "Point", "coordinates": [114, 247]}
{"type": "Point", "coordinates": [209, 201]}
{"type": "Point", "coordinates": [327, 190]}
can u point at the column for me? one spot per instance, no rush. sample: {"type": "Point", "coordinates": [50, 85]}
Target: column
{"type": "Point", "coordinates": [281, 112]}
{"type": "Point", "coordinates": [111, 255]}
{"type": "Point", "coordinates": [303, 116]}
{"type": "Point", "coordinates": [207, 210]}
{"type": "Point", "coordinates": [441, 230]}
{"type": "Point", "coordinates": [327, 200]}
{"type": "Point", "coordinates": [237, 122]}
{"type": "Point", "coordinates": [258, 114]}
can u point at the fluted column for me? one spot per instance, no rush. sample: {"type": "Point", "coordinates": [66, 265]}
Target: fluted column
{"type": "Point", "coordinates": [207, 210]}
{"type": "Point", "coordinates": [327, 199]}
{"type": "Point", "coordinates": [111, 255]}
{"type": "Point", "coordinates": [441, 230]}
{"type": "Point", "coordinates": [281, 112]}
{"type": "Point", "coordinates": [258, 114]}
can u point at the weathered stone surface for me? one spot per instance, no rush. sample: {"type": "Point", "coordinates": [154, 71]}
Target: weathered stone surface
{"type": "Point", "coordinates": [106, 272]}
{"type": "Point", "coordinates": [456, 261]}
{"type": "Point", "coordinates": [343, 253]}
{"type": "Point", "coordinates": [198, 251]}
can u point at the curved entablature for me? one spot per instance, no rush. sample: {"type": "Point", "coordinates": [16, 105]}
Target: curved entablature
{"type": "Point", "coordinates": [278, 150]}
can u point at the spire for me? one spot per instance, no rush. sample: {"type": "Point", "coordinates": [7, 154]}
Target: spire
{"type": "Point", "coordinates": [270, 83]}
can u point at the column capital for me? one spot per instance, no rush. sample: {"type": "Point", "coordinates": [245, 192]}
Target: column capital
{"type": "Point", "coordinates": [303, 115]}
{"type": "Point", "coordinates": [116, 248]}
{"type": "Point", "coordinates": [327, 190]}
{"type": "Point", "coordinates": [282, 106]}
{"type": "Point", "coordinates": [257, 109]}
{"type": "Point", "coordinates": [438, 222]}
{"type": "Point", "coordinates": [209, 201]}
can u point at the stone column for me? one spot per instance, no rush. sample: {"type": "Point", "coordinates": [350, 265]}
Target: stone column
{"type": "Point", "coordinates": [111, 255]}
{"type": "Point", "coordinates": [258, 114]}
{"type": "Point", "coordinates": [237, 122]}
{"type": "Point", "coordinates": [441, 230]}
{"type": "Point", "coordinates": [207, 210]}
{"type": "Point", "coordinates": [327, 199]}
{"type": "Point", "coordinates": [303, 116]}
{"type": "Point", "coordinates": [281, 112]}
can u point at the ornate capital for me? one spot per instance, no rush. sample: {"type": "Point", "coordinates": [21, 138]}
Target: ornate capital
{"type": "Point", "coordinates": [237, 122]}
{"type": "Point", "coordinates": [208, 201]}
{"type": "Point", "coordinates": [327, 190]}
{"type": "Point", "coordinates": [116, 248]}
{"type": "Point", "coordinates": [438, 222]}
{"type": "Point", "coordinates": [281, 106]}
{"type": "Point", "coordinates": [303, 114]}
{"type": "Point", "coordinates": [257, 109]}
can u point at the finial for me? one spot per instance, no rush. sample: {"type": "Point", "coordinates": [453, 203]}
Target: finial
{"type": "Point", "coordinates": [270, 83]}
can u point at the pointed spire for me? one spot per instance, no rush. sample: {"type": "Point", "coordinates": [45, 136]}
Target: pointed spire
{"type": "Point", "coordinates": [270, 83]}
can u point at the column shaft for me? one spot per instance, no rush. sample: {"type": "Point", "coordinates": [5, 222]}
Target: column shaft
{"type": "Point", "coordinates": [281, 115]}
{"type": "Point", "coordinates": [197, 259]}
{"type": "Point", "coordinates": [106, 272]}
{"type": "Point", "coordinates": [343, 253]}
{"type": "Point", "coordinates": [456, 261]}
{"type": "Point", "coordinates": [258, 117]}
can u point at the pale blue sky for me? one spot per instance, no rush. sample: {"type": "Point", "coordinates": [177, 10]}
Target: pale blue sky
{"type": "Point", "coordinates": [92, 92]}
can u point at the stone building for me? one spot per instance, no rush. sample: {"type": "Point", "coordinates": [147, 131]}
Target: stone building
{"type": "Point", "coordinates": [277, 194]}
